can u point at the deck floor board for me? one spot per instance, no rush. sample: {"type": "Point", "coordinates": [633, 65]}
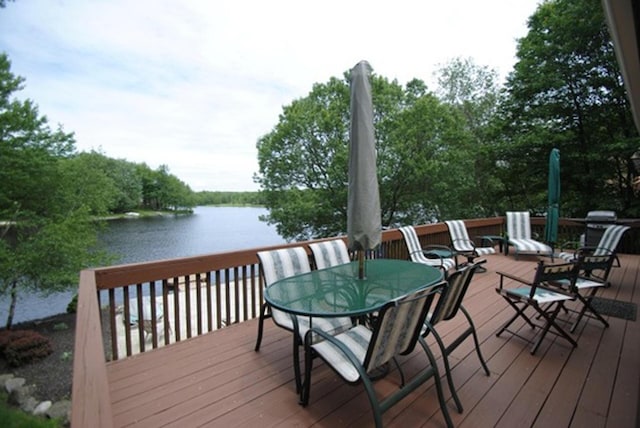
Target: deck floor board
{"type": "Point", "coordinates": [219, 380]}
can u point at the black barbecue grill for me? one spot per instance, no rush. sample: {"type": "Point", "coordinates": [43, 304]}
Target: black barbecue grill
{"type": "Point", "coordinates": [597, 222]}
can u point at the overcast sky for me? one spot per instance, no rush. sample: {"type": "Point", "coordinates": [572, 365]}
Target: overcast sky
{"type": "Point", "coordinates": [194, 84]}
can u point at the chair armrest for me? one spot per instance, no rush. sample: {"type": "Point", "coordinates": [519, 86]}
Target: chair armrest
{"type": "Point", "coordinates": [585, 251]}
{"type": "Point", "coordinates": [477, 240]}
{"type": "Point", "coordinates": [437, 247]}
{"type": "Point", "coordinates": [513, 278]}
{"type": "Point", "coordinates": [428, 251]}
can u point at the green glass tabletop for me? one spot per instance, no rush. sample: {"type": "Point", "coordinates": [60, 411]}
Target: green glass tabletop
{"type": "Point", "coordinates": [337, 291]}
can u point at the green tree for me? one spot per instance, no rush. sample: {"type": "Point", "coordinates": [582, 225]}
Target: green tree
{"type": "Point", "coordinates": [303, 164]}
{"type": "Point", "coordinates": [304, 161]}
{"type": "Point", "coordinates": [473, 92]}
{"type": "Point", "coordinates": [47, 232]}
{"type": "Point", "coordinates": [126, 184]}
{"type": "Point", "coordinates": [566, 91]}
{"type": "Point", "coordinates": [472, 89]}
{"type": "Point", "coordinates": [86, 184]}
{"type": "Point", "coordinates": [162, 190]}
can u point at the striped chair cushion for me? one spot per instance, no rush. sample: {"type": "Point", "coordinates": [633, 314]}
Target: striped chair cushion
{"type": "Point", "coordinates": [330, 253]}
{"type": "Point", "coordinates": [357, 340]}
{"type": "Point", "coordinates": [610, 239]}
{"type": "Point", "coordinates": [395, 334]}
{"type": "Point", "coordinates": [530, 246]}
{"type": "Point", "coordinates": [607, 245]}
{"type": "Point", "coordinates": [519, 232]}
{"type": "Point", "coordinates": [482, 251]}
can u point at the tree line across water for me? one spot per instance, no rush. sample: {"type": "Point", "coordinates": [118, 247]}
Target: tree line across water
{"type": "Point", "coordinates": [122, 186]}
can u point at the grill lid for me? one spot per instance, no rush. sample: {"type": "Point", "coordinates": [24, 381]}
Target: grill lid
{"type": "Point", "coordinates": [602, 215]}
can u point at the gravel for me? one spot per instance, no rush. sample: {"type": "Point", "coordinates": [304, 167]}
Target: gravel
{"type": "Point", "coordinates": [51, 376]}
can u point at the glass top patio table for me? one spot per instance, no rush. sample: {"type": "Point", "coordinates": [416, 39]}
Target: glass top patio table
{"type": "Point", "coordinates": [337, 291]}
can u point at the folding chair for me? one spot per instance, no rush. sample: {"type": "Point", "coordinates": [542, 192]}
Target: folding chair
{"type": "Point", "coordinates": [283, 263]}
{"type": "Point", "coordinates": [543, 295]}
{"type": "Point", "coordinates": [448, 304]}
{"type": "Point", "coordinates": [463, 245]}
{"type": "Point", "coordinates": [417, 253]}
{"type": "Point", "coordinates": [593, 272]}
{"type": "Point", "coordinates": [519, 235]}
{"type": "Point", "coordinates": [358, 352]}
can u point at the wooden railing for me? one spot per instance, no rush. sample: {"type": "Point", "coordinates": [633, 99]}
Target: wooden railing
{"type": "Point", "coordinates": [186, 297]}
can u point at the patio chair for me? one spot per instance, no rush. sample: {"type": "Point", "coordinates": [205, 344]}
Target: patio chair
{"type": "Point", "coordinates": [593, 272]}
{"type": "Point", "coordinates": [359, 352]}
{"type": "Point", "coordinates": [329, 253]}
{"type": "Point", "coordinates": [283, 263]}
{"type": "Point", "coordinates": [449, 303]}
{"type": "Point", "coordinates": [418, 254]}
{"type": "Point", "coordinates": [607, 245]}
{"type": "Point", "coordinates": [540, 295]}
{"type": "Point", "coordinates": [519, 235]}
{"type": "Point", "coordinates": [465, 246]}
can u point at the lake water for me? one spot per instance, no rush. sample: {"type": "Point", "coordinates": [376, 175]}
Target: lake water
{"type": "Point", "coordinates": [208, 230]}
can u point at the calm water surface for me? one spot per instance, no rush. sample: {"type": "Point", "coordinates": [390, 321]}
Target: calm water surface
{"type": "Point", "coordinates": [208, 230]}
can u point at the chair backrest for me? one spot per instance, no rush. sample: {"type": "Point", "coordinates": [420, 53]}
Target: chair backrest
{"type": "Point", "coordinates": [412, 241]}
{"type": "Point", "coordinates": [283, 263]}
{"type": "Point", "coordinates": [518, 225]}
{"type": "Point", "coordinates": [459, 236]}
{"type": "Point", "coordinates": [330, 253]}
{"type": "Point", "coordinates": [610, 240]}
{"type": "Point", "coordinates": [589, 263]}
{"type": "Point", "coordinates": [398, 327]}
{"type": "Point", "coordinates": [452, 295]}
{"type": "Point", "coordinates": [561, 273]}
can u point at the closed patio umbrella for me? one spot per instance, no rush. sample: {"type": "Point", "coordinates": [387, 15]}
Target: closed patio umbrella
{"type": "Point", "coordinates": [553, 208]}
{"type": "Point", "coordinates": [364, 226]}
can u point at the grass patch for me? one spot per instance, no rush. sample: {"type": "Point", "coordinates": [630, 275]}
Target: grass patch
{"type": "Point", "coordinates": [12, 417]}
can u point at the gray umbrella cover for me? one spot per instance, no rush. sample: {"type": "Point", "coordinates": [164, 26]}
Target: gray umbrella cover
{"type": "Point", "coordinates": [364, 226]}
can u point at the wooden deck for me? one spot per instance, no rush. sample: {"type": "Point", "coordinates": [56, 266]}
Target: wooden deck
{"type": "Point", "coordinates": [218, 380]}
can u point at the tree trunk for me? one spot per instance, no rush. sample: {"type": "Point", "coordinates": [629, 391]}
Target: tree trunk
{"type": "Point", "coordinates": [12, 306]}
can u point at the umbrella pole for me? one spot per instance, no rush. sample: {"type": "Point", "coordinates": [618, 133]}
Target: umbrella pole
{"type": "Point", "coordinates": [361, 264]}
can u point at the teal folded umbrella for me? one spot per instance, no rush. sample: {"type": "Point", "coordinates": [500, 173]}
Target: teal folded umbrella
{"type": "Point", "coordinates": [553, 208]}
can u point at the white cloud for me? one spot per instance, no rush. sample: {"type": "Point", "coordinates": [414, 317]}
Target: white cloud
{"type": "Point", "coordinates": [194, 85]}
